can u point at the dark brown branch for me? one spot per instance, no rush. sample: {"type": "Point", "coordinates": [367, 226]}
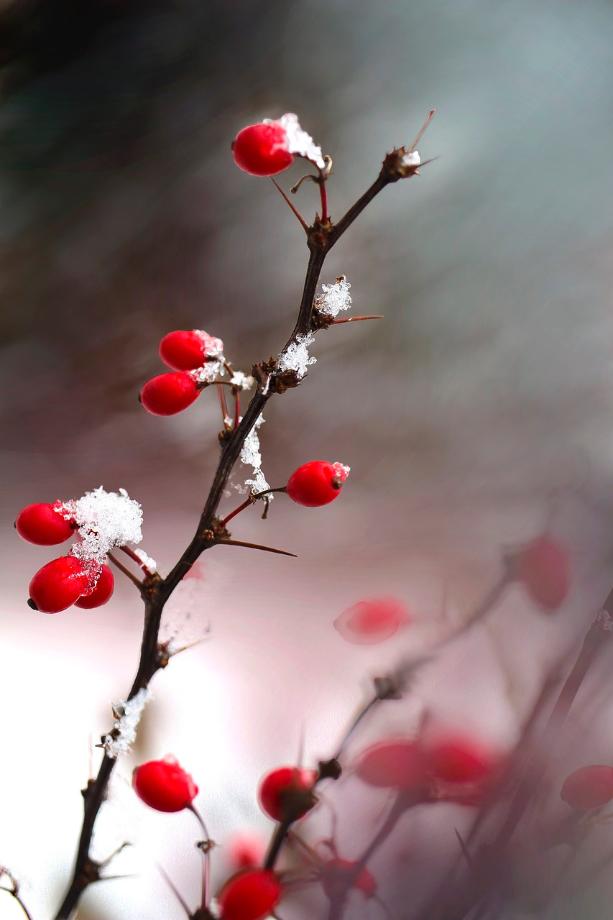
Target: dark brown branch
{"type": "Point", "coordinates": [321, 237]}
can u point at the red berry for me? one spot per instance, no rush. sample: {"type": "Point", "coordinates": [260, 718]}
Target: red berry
{"type": "Point", "coordinates": [59, 584]}
{"type": "Point", "coordinates": [317, 483]}
{"type": "Point", "coordinates": [395, 764]}
{"type": "Point", "coordinates": [164, 785]}
{"type": "Point", "coordinates": [250, 895]}
{"type": "Point", "coordinates": [544, 569]}
{"type": "Point", "coordinates": [183, 350]}
{"type": "Point", "coordinates": [337, 875]}
{"type": "Point", "coordinates": [457, 759]}
{"type": "Point", "coordinates": [102, 592]}
{"type": "Point", "coordinates": [588, 787]}
{"type": "Point", "coordinates": [168, 394]}
{"type": "Point", "coordinates": [262, 149]}
{"type": "Point", "coordinates": [44, 524]}
{"type": "Point", "coordinates": [368, 622]}
{"type": "Point", "coordinates": [246, 851]}
{"type": "Point", "coordinates": [287, 793]}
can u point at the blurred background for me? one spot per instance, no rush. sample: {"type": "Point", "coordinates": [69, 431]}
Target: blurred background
{"type": "Point", "coordinates": [477, 412]}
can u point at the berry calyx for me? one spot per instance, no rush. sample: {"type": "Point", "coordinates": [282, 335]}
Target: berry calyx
{"type": "Point", "coordinates": [59, 584]}
{"type": "Point", "coordinates": [186, 350]}
{"type": "Point", "coordinates": [543, 567]}
{"type": "Point", "coordinates": [164, 785]}
{"type": "Point", "coordinates": [249, 895]}
{"type": "Point", "coordinates": [262, 149]}
{"type": "Point", "coordinates": [588, 787]}
{"type": "Point", "coordinates": [44, 524]}
{"type": "Point", "coordinates": [337, 875]}
{"type": "Point", "coordinates": [317, 483]}
{"type": "Point", "coordinates": [287, 793]}
{"type": "Point", "coordinates": [395, 764]}
{"type": "Point", "coordinates": [168, 394]}
{"type": "Point", "coordinates": [102, 592]}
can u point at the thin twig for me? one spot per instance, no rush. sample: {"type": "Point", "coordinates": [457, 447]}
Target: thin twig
{"type": "Point", "coordinates": [125, 571]}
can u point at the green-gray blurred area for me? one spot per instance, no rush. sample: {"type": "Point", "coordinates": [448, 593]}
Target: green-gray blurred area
{"type": "Point", "coordinates": [484, 394]}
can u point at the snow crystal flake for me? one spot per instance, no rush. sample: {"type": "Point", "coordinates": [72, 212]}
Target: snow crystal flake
{"type": "Point", "coordinates": [411, 158]}
{"type": "Point", "coordinates": [241, 380]}
{"type": "Point", "coordinates": [334, 297]}
{"type": "Point", "coordinates": [213, 347]}
{"type": "Point", "coordinates": [299, 142]}
{"type": "Point", "coordinates": [296, 356]}
{"type": "Point", "coordinates": [341, 470]}
{"type": "Point", "coordinates": [127, 716]}
{"type": "Point", "coordinates": [146, 561]}
{"type": "Point", "coordinates": [104, 520]}
{"type": "Point", "coordinates": [251, 455]}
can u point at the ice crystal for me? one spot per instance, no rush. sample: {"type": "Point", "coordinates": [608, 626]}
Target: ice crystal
{"type": "Point", "coordinates": [104, 520]}
{"type": "Point", "coordinates": [251, 455]}
{"type": "Point", "coordinates": [209, 371]}
{"type": "Point", "coordinates": [127, 716]}
{"type": "Point", "coordinates": [148, 563]}
{"type": "Point", "coordinates": [334, 297]}
{"type": "Point", "coordinates": [411, 158]}
{"type": "Point", "coordinates": [296, 356]}
{"type": "Point", "coordinates": [298, 141]}
{"type": "Point", "coordinates": [341, 470]}
{"type": "Point", "coordinates": [213, 347]}
{"type": "Point", "coordinates": [241, 380]}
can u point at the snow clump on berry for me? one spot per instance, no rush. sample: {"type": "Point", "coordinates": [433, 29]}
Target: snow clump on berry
{"type": "Point", "coordinates": [104, 520]}
{"type": "Point", "coordinates": [298, 141]}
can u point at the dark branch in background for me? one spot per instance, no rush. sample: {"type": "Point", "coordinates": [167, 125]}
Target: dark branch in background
{"type": "Point", "coordinates": [321, 237]}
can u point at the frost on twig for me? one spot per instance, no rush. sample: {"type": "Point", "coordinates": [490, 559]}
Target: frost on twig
{"type": "Point", "coordinates": [251, 455]}
{"type": "Point", "coordinates": [241, 380]}
{"type": "Point", "coordinates": [411, 158]}
{"type": "Point", "coordinates": [127, 716]}
{"type": "Point", "coordinates": [104, 520]}
{"type": "Point", "coordinates": [146, 561]}
{"type": "Point", "coordinates": [296, 356]}
{"type": "Point", "coordinates": [334, 297]}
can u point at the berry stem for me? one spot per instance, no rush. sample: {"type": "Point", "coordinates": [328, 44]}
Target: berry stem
{"type": "Point", "coordinates": [122, 568]}
{"type": "Point", "coordinates": [253, 497]}
{"type": "Point", "coordinates": [323, 192]}
{"type": "Point", "coordinates": [222, 402]}
{"type": "Point", "coordinates": [206, 857]}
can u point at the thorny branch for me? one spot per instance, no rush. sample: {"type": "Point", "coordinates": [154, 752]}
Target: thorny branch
{"type": "Point", "coordinates": [321, 237]}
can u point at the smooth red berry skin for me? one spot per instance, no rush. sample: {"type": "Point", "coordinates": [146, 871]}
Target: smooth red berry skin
{"type": "Point", "coordinates": [58, 584]}
{"type": "Point", "coordinates": [284, 792]}
{"type": "Point", "coordinates": [544, 569]}
{"type": "Point", "coordinates": [164, 785]}
{"type": "Point", "coordinates": [183, 350]}
{"type": "Point", "coordinates": [315, 483]}
{"type": "Point", "coordinates": [246, 851]}
{"type": "Point", "coordinates": [262, 149]}
{"type": "Point", "coordinates": [43, 525]}
{"type": "Point", "coordinates": [168, 394]}
{"type": "Point", "coordinates": [460, 760]}
{"type": "Point", "coordinates": [339, 874]}
{"type": "Point", "coordinates": [396, 764]}
{"type": "Point", "coordinates": [588, 787]}
{"type": "Point", "coordinates": [101, 593]}
{"type": "Point", "coordinates": [249, 895]}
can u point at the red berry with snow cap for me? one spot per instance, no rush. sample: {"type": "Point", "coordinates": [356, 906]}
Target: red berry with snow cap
{"type": "Point", "coordinates": [186, 350]}
{"type": "Point", "coordinates": [168, 394]}
{"type": "Point", "coordinates": [101, 593]}
{"type": "Point", "coordinates": [588, 787]}
{"type": "Point", "coordinates": [44, 524]}
{"type": "Point", "coordinates": [317, 483]}
{"type": "Point", "coordinates": [59, 584]}
{"type": "Point", "coordinates": [287, 793]}
{"type": "Point", "coordinates": [164, 785]}
{"type": "Point", "coordinates": [249, 895]}
{"type": "Point", "coordinates": [544, 569]}
{"type": "Point", "coordinates": [262, 149]}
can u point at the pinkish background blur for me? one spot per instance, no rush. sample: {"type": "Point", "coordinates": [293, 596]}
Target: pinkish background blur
{"type": "Point", "coordinates": [486, 390]}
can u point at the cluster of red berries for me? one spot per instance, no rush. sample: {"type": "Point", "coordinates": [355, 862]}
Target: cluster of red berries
{"type": "Point", "coordinates": [186, 351]}
{"type": "Point", "coordinates": [451, 768]}
{"type": "Point", "coordinates": [66, 580]}
{"type": "Point", "coordinates": [250, 894]}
